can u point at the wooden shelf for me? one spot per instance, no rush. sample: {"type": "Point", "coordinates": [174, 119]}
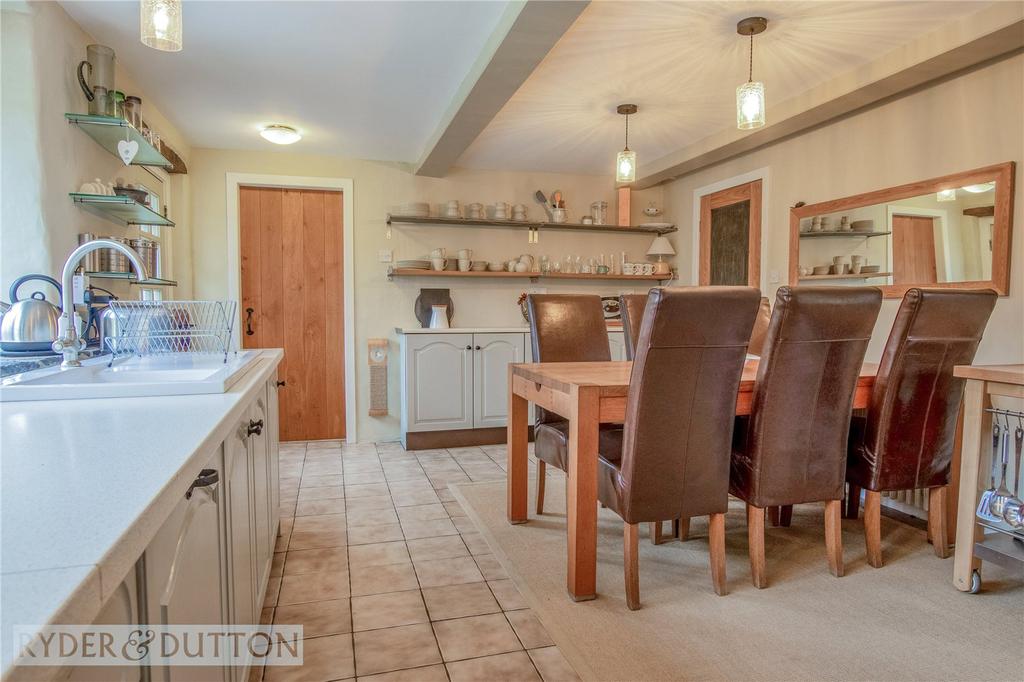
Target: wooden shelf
{"type": "Point", "coordinates": [413, 272]}
{"type": "Point", "coordinates": [844, 233]}
{"type": "Point", "coordinates": [528, 225]}
{"type": "Point", "coordinates": [869, 275]}
{"type": "Point", "coordinates": [123, 210]}
{"type": "Point", "coordinates": [109, 130]}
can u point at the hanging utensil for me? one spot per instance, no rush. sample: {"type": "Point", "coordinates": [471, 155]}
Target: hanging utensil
{"type": "Point", "coordinates": [1002, 493]}
{"type": "Point", "coordinates": [1013, 509]}
{"type": "Point", "coordinates": [985, 502]}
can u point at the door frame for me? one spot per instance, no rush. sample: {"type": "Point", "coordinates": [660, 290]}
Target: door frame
{"type": "Point", "coordinates": [762, 174]}
{"type": "Point", "coordinates": [343, 185]}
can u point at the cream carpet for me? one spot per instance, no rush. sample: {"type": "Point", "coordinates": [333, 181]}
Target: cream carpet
{"type": "Point", "coordinates": [904, 621]}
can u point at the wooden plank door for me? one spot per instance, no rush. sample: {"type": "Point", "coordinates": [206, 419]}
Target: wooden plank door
{"type": "Point", "coordinates": [292, 298]}
{"type": "Point", "coordinates": [913, 250]}
{"type": "Point", "coordinates": [730, 236]}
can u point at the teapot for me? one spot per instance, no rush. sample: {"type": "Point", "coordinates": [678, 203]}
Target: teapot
{"type": "Point", "coordinates": [31, 323]}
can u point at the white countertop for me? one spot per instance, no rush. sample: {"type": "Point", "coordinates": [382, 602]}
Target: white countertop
{"type": "Point", "coordinates": [87, 483]}
{"type": "Point", "coordinates": [480, 330]}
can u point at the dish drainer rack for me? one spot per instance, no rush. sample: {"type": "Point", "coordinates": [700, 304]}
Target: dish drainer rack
{"type": "Point", "coordinates": [159, 327]}
{"type": "Point", "coordinates": [1002, 543]}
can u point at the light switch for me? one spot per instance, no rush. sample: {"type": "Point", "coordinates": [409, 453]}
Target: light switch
{"type": "Point", "coordinates": [384, 255]}
{"type": "Point", "coordinates": [773, 277]}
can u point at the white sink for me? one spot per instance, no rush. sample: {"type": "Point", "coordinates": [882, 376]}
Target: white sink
{"type": "Point", "coordinates": [172, 374]}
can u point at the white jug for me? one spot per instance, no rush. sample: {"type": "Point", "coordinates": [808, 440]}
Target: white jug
{"type": "Point", "coordinates": [439, 317]}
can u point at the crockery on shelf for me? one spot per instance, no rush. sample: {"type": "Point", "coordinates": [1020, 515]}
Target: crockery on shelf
{"type": "Point", "coordinates": [464, 264]}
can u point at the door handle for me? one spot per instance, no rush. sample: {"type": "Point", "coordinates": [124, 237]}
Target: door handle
{"type": "Point", "coordinates": [248, 321]}
{"type": "Point", "coordinates": [255, 427]}
{"type": "Point", "coordinates": [281, 383]}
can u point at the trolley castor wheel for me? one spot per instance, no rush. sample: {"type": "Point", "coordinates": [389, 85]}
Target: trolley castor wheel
{"type": "Point", "coordinates": [975, 582]}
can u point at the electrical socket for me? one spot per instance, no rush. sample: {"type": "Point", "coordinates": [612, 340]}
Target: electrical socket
{"type": "Point", "coordinates": [384, 256]}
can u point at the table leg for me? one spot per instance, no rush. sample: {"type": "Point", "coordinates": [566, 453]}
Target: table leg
{"type": "Point", "coordinates": [518, 472]}
{"type": "Point", "coordinates": [977, 430]}
{"type": "Point", "coordinates": [581, 494]}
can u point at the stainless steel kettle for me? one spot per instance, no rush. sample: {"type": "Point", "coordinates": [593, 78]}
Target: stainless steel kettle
{"type": "Point", "coordinates": [30, 324]}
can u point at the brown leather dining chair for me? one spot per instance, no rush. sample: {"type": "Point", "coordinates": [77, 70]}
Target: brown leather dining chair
{"type": "Point", "coordinates": [631, 310]}
{"type": "Point", "coordinates": [906, 439]}
{"type": "Point", "coordinates": [757, 337]}
{"type": "Point", "coordinates": [671, 459]}
{"type": "Point", "coordinates": [563, 328]}
{"type": "Point", "coordinates": [792, 449]}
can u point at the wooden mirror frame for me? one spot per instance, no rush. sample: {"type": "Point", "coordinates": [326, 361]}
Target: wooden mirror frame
{"type": "Point", "coordinates": [1002, 227]}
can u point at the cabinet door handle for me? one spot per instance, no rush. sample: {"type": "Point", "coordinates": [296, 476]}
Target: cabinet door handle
{"type": "Point", "coordinates": [469, 347]}
{"type": "Point", "coordinates": [206, 479]}
{"type": "Point", "coordinates": [477, 348]}
{"type": "Point", "coordinates": [255, 427]}
{"type": "Point", "coordinates": [248, 321]}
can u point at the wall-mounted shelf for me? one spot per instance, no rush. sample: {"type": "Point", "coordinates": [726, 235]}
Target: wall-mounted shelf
{"type": "Point", "coordinates": [109, 130]}
{"type": "Point", "coordinates": [867, 275]}
{"type": "Point", "coordinates": [527, 225]}
{"type": "Point", "coordinates": [132, 279]}
{"type": "Point", "coordinates": [845, 233]}
{"type": "Point", "coordinates": [123, 210]}
{"type": "Point", "coordinates": [534, 276]}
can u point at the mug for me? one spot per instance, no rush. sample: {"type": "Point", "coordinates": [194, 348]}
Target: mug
{"type": "Point", "coordinates": [464, 264]}
{"type": "Point", "coordinates": [648, 268]}
{"type": "Point", "coordinates": [438, 263]}
{"type": "Point", "coordinates": [500, 210]}
{"type": "Point", "coordinates": [628, 268]}
{"type": "Point", "coordinates": [438, 253]}
{"type": "Point", "coordinates": [465, 254]}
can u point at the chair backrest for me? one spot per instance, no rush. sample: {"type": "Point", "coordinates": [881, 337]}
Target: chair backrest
{"type": "Point", "coordinates": [567, 328]}
{"type": "Point", "coordinates": [682, 401]}
{"type": "Point", "coordinates": [911, 423]}
{"type": "Point", "coordinates": [796, 440]}
{"type": "Point", "coordinates": [631, 309]}
{"type": "Point", "coordinates": [764, 317]}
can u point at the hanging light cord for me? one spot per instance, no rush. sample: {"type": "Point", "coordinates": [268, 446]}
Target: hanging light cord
{"type": "Point", "coordinates": [750, 72]}
{"type": "Point", "coordinates": [627, 133]}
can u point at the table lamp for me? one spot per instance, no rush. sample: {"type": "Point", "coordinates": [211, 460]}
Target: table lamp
{"type": "Point", "coordinates": [661, 247]}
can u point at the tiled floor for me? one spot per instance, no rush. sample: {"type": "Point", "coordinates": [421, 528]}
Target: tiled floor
{"type": "Point", "coordinates": [389, 577]}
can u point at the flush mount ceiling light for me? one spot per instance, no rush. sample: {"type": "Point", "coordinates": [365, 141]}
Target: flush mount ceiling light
{"type": "Point", "coordinates": [625, 162]}
{"type": "Point", "coordinates": [980, 188]}
{"type": "Point", "coordinates": [280, 134]}
{"type": "Point", "coordinates": [160, 24]}
{"type": "Point", "coordinates": [750, 103]}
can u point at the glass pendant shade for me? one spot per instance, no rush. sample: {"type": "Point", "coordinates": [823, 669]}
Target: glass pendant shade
{"type": "Point", "coordinates": [945, 195]}
{"type": "Point", "coordinates": [625, 166]}
{"type": "Point", "coordinates": [750, 105]}
{"type": "Point", "coordinates": [160, 24]}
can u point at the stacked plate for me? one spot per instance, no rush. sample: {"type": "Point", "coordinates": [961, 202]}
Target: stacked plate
{"type": "Point", "coordinates": [414, 264]}
{"type": "Point", "coordinates": [419, 209]}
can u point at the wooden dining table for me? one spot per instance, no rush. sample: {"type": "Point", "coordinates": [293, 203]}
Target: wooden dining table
{"type": "Point", "coordinates": [589, 394]}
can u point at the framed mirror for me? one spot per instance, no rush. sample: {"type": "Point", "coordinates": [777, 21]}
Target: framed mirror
{"type": "Point", "coordinates": [952, 231]}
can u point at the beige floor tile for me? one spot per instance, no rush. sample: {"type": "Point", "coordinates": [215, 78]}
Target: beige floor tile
{"type": "Point", "coordinates": [320, 522]}
{"type": "Point", "coordinates": [378, 554]}
{"type": "Point", "coordinates": [365, 490]}
{"type": "Point", "coordinates": [364, 535]}
{"type": "Point", "coordinates": [460, 601]}
{"type": "Point", "coordinates": [422, 512]}
{"type": "Point", "coordinates": [475, 636]}
{"type": "Point", "coordinates": [512, 667]}
{"type": "Point", "coordinates": [317, 539]}
{"type": "Point", "coordinates": [507, 595]}
{"type": "Point", "coordinates": [430, 673]}
{"type": "Point", "coordinates": [331, 559]}
{"type": "Point", "coordinates": [379, 651]}
{"type": "Point", "coordinates": [380, 579]}
{"type": "Point", "coordinates": [441, 572]}
{"type": "Point", "coordinates": [266, 615]}
{"type": "Point", "coordinates": [370, 503]}
{"type": "Point", "coordinates": [405, 497]}
{"type": "Point", "coordinates": [465, 525]}
{"type": "Point", "coordinates": [428, 529]}
{"type": "Point", "coordinates": [490, 567]}
{"type": "Point", "coordinates": [324, 492]}
{"type": "Point", "coordinates": [296, 589]}
{"type": "Point", "coordinates": [324, 659]}
{"type": "Point", "coordinates": [277, 565]}
{"type": "Point", "coordinates": [329, 480]}
{"type": "Point", "coordinates": [317, 618]}
{"type": "Point", "coordinates": [324, 468]}
{"type": "Point", "coordinates": [446, 495]}
{"type": "Point", "coordinates": [371, 517]}
{"type": "Point", "coordinates": [317, 507]}
{"type": "Point", "coordinates": [454, 509]}
{"type": "Point", "coordinates": [476, 543]}
{"type": "Point", "coordinates": [445, 547]}
{"type": "Point", "coordinates": [393, 609]}
{"type": "Point", "coordinates": [529, 629]}
{"type": "Point", "coordinates": [552, 665]}
{"type": "Point", "coordinates": [369, 477]}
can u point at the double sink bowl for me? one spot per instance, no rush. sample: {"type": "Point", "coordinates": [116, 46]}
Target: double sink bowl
{"type": "Point", "coordinates": [157, 375]}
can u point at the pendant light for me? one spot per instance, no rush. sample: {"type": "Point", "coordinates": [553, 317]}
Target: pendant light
{"type": "Point", "coordinates": [625, 162]}
{"type": "Point", "coordinates": [160, 24]}
{"type": "Point", "coordinates": [750, 103]}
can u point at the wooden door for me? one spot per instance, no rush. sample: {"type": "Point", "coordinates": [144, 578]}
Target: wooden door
{"type": "Point", "coordinates": [292, 298]}
{"type": "Point", "coordinates": [913, 250]}
{"type": "Point", "coordinates": [730, 236]}
{"type": "Point", "coordinates": [492, 354]}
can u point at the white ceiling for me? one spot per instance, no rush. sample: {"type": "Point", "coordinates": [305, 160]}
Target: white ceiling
{"type": "Point", "coordinates": [681, 63]}
{"type": "Point", "coordinates": [361, 79]}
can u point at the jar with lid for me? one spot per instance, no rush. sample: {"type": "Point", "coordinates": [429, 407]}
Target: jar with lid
{"type": "Point", "coordinates": [148, 250]}
{"type": "Point", "coordinates": [133, 110]}
{"type": "Point", "coordinates": [118, 104]}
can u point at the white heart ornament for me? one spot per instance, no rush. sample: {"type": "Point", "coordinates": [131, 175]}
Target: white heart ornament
{"type": "Point", "coordinates": [127, 149]}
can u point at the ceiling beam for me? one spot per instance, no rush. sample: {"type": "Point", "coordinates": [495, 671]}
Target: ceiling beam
{"type": "Point", "coordinates": [525, 34]}
{"type": "Point", "coordinates": [989, 35]}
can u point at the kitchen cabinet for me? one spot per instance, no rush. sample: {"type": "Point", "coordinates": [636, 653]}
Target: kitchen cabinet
{"type": "Point", "coordinates": [492, 354]}
{"type": "Point", "coordinates": [241, 563]}
{"type": "Point", "coordinates": [259, 460]}
{"type": "Point", "coordinates": [121, 609]}
{"type": "Point", "coordinates": [437, 386]}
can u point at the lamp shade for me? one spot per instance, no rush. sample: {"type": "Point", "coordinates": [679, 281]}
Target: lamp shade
{"type": "Point", "coordinates": [750, 106]}
{"type": "Point", "coordinates": [661, 247]}
{"type": "Point", "coordinates": [160, 24]}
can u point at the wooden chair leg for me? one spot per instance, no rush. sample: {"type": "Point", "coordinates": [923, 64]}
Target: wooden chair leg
{"type": "Point", "coordinates": [542, 471]}
{"type": "Point", "coordinates": [773, 515]}
{"type": "Point", "coordinates": [681, 528]}
{"type": "Point", "coordinates": [630, 564]}
{"type": "Point", "coordinates": [852, 502]}
{"type": "Point", "coordinates": [716, 539]}
{"type": "Point", "coordinates": [755, 539]}
{"type": "Point", "coordinates": [937, 520]}
{"type": "Point", "coordinates": [658, 536]}
{"type": "Point", "coordinates": [873, 527]}
{"type": "Point", "coordinates": [834, 536]}
{"type": "Point", "coordinates": [785, 515]}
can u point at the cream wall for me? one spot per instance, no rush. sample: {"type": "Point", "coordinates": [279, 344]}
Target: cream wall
{"type": "Point", "coordinates": [44, 157]}
{"type": "Point", "coordinates": [936, 131]}
{"type": "Point", "coordinates": [380, 305]}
